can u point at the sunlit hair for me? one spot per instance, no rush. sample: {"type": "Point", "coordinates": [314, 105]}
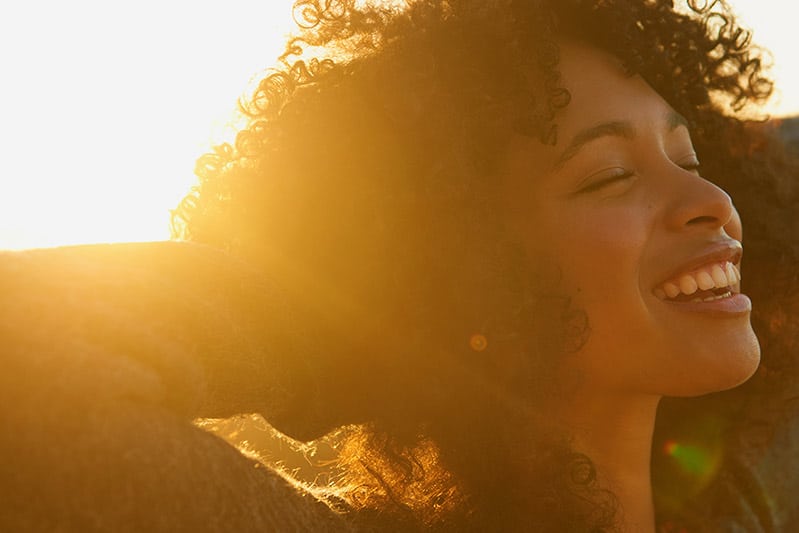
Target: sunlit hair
{"type": "Point", "coordinates": [365, 184]}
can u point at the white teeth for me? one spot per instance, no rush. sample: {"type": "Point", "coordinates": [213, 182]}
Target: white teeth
{"type": "Point", "coordinates": [719, 276]}
{"type": "Point", "coordinates": [671, 289]}
{"type": "Point", "coordinates": [688, 284]}
{"type": "Point", "coordinates": [705, 281]}
{"type": "Point", "coordinates": [713, 298]}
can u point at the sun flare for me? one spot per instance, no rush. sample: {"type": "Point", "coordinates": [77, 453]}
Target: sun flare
{"type": "Point", "coordinates": [106, 106]}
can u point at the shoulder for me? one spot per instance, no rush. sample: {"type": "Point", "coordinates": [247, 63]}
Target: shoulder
{"type": "Point", "coordinates": [108, 354]}
{"type": "Point", "coordinates": [123, 466]}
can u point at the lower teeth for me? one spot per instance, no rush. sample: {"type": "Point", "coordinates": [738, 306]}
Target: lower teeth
{"type": "Point", "coordinates": [713, 298]}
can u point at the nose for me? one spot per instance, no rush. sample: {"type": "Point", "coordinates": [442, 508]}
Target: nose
{"type": "Point", "coordinates": [734, 227]}
{"type": "Point", "coordinates": [698, 203]}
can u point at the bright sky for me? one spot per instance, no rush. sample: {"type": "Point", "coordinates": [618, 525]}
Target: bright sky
{"type": "Point", "coordinates": [104, 106]}
{"type": "Point", "coordinates": [774, 25]}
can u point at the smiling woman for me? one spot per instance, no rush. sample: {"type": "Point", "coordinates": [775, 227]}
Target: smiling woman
{"type": "Point", "coordinates": [493, 248]}
{"type": "Point", "coordinates": [625, 191]}
{"type": "Point", "coordinates": [550, 178]}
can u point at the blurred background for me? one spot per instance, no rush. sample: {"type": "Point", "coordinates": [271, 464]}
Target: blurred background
{"type": "Point", "coordinates": [104, 106]}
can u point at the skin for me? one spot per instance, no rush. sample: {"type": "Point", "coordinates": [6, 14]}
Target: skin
{"type": "Point", "coordinates": [618, 217]}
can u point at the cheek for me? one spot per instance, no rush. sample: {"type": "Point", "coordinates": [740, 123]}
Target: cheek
{"type": "Point", "coordinates": [600, 258]}
{"type": "Point", "coordinates": [600, 254]}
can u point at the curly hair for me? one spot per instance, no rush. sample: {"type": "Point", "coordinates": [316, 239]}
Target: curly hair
{"type": "Point", "coordinates": [363, 184]}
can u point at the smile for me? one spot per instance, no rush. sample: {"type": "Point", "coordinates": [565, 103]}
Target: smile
{"type": "Point", "coordinates": [715, 281]}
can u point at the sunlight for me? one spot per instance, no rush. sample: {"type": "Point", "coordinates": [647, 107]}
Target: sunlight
{"type": "Point", "coordinates": [773, 24]}
{"type": "Point", "coordinates": [105, 106]}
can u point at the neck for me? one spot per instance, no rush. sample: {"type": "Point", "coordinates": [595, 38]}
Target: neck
{"type": "Point", "coordinates": [615, 431]}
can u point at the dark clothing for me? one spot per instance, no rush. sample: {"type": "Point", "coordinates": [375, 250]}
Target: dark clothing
{"type": "Point", "coordinates": [108, 353]}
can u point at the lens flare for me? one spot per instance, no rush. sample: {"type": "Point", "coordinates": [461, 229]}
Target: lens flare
{"type": "Point", "coordinates": [696, 461]}
{"type": "Point", "coordinates": [478, 342]}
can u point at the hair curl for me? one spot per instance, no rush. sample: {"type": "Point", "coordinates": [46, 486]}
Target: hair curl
{"type": "Point", "coordinates": [364, 183]}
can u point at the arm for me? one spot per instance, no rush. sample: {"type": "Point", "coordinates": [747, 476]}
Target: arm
{"type": "Point", "coordinates": [109, 352]}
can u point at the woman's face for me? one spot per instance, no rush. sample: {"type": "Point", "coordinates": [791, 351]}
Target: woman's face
{"type": "Point", "coordinates": [646, 247]}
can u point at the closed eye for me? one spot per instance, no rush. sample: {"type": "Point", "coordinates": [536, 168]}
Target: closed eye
{"type": "Point", "coordinates": [605, 179]}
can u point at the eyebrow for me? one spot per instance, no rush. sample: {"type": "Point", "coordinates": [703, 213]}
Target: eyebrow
{"type": "Point", "coordinates": [611, 129]}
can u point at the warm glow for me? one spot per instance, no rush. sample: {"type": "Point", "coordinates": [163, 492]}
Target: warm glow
{"type": "Point", "coordinates": [774, 26]}
{"type": "Point", "coordinates": [106, 105]}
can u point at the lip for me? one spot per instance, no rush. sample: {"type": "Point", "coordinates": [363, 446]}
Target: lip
{"type": "Point", "coordinates": [737, 304]}
{"type": "Point", "coordinates": [726, 250]}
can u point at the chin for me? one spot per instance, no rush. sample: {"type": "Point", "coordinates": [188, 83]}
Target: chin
{"type": "Point", "coordinates": [725, 368]}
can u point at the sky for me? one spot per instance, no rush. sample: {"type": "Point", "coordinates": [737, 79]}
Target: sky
{"type": "Point", "coordinates": [105, 106]}
{"type": "Point", "coordinates": [774, 26]}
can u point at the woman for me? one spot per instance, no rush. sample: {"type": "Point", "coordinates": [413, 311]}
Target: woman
{"type": "Point", "coordinates": [491, 252]}
{"type": "Point", "coordinates": [499, 213]}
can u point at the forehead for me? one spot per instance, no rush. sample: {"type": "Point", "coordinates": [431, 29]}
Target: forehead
{"type": "Point", "coordinates": [604, 99]}
{"type": "Point", "coordinates": [601, 91]}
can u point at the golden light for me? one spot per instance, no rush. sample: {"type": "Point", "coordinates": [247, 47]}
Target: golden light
{"type": "Point", "coordinates": [773, 23]}
{"type": "Point", "coordinates": [104, 106]}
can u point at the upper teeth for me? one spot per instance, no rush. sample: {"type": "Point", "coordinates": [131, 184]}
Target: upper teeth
{"type": "Point", "coordinates": [715, 276]}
